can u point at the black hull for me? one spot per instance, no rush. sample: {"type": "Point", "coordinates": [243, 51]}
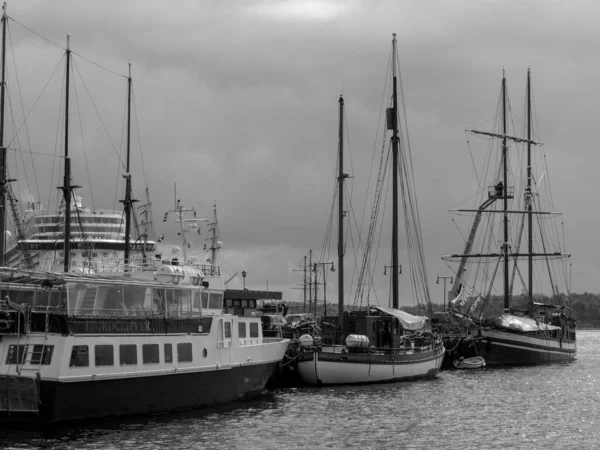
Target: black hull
{"type": "Point", "coordinates": [78, 401]}
{"type": "Point", "coordinates": [501, 348]}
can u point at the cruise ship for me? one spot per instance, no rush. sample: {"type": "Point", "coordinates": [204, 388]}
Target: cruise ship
{"type": "Point", "coordinates": [97, 240]}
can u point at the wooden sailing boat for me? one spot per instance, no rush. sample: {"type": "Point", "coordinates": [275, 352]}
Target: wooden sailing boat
{"type": "Point", "coordinates": [526, 328]}
{"type": "Point", "coordinates": [380, 343]}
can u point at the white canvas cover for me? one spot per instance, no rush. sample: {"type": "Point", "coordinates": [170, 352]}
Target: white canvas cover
{"type": "Point", "coordinates": [522, 323]}
{"type": "Point", "coordinates": [408, 321]}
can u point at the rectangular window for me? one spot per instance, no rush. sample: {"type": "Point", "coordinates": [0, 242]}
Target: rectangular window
{"type": "Point", "coordinates": [16, 354]}
{"type": "Point", "coordinates": [168, 353]}
{"type": "Point", "coordinates": [216, 300]}
{"type": "Point", "coordinates": [42, 354]}
{"type": "Point", "coordinates": [184, 352]}
{"type": "Point", "coordinates": [150, 353]}
{"type": "Point", "coordinates": [253, 329]}
{"type": "Point", "coordinates": [242, 329]}
{"type": "Point", "coordinates": [80, 356]}
{"type": "Point", "coordinates": [158, 301]}
{"type": "Point", "coordinates": [104, 355]}
{"type": "Point", "coordinates": [128, 354]}
{"type": "Point", "coordinates": [204, 296]}
{"type": "Point", "coordinates": [196, 302]}
{"type": "Point", "coordinates": [184, 299]}
{"type": "Point", "coordinates": [228, 330]}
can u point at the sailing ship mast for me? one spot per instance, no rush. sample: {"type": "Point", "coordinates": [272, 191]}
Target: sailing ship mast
{"type": "Point", "coordinates": [67, 188]}
{"type": "Point", "coordinates": [392, 117]}
{"type": "Point", "coordinates": [528, 192]}
{"type": "Point", "coordinates": [505, 199]}
{"type": "Point", "coordinates": [214, 238]}
{"type": "Point", "coordinates": [127, 203]}
{"type": "Point", "coordinates": [3, 179]}
{"type": "Point", "coordinates": [341, 177]}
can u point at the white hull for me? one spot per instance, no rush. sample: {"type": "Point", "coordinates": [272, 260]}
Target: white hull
{"type": "Point", "coordinates": [330, 366]}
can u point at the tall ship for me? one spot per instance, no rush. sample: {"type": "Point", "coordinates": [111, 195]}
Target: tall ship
{"type": "Point", "coordinates": [512, 279]}
{"type": "Point", "coordinates": [377, 343]}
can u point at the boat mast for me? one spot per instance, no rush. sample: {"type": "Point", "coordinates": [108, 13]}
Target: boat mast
{"type": "Point", "coordinates": [505, 197]}
{"type": "Point", "coordinates": [341, 177]}
{"type": "Point", "coordinates": [128, 200]}
{"type": "Point", "coordinates": [3, 179]}
{"type": "Point", "coordinates": [214, 247]}
{"type": "Point", "coordinates": [67, 188]}
{"type": "Point", "coordinates": [529, 194]}
{"type": "Point", "coordinates": [304, 285]}
{"type": "Point", "coordinates": [394, 180]}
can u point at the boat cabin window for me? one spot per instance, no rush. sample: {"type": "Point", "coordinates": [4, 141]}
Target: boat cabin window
{"type": "Point", "coordinates": [23, 297]}
{"type": "Point", "coordinates": [179, 302]}
{"type": "Point", "coordinates": [104, 355]}
{"type": "Point", "coordinates": [134, 300]}
{"type": "Point", "coordinates": [42, 354]}
{"type": "Point", "coordinates": [196, 304]}
{"type": "Point", "coordinates": [184, 299]}
{"type": "Point", "coordinates": [158, 302]}
{"type": "Point", "coordinates": [109, 301]}
{"type": "Point", "coordinates": [80, 356]}
{"type": "Point", "coordinates": [45, 298]}
{"type": "Point", "coordinates": [184, 352]}
{"type": "Point", "coordinates": [127, 354]}
{"type": "Point", "coordinates": [253, 329]}
{"type": "Point", "coordinates": [242, 329]}
{"type": "Point", "coordinates": [228, 330]}
{"type": "Point", "coordinates": [168, 353]}
{"type": "Point", "coordinates": [215, 300]}
{"type": "Point", "coordinates": [204, 296]}
{"type": "Point", "coordinates": [150, 354]}
{"type": "Point", "coordinates": [82, 298]}
{"type": "Point", "coordinates": [16, 354]}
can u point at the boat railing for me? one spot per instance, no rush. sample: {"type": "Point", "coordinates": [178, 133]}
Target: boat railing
{"type": "Point", "coordinates": [247, 342]}
{"type": "Point", "coordinates": [409, 346]}
{"type": "Point", "coordinates": [118, 265]}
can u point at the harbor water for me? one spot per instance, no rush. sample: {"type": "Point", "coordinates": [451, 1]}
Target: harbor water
{"type": "Point", "coordinates": [544, 407]}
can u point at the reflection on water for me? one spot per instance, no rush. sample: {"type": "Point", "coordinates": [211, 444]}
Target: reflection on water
{"type": "Point", "coordinates": [527, 407]}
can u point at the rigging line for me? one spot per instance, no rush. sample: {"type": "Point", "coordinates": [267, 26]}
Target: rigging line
{"type": "Point", "coordinates": [23, 111]}
{"type": "Point", "coordinates": [472, 160]}
{"type": "Point", "coordinates": [375, 143]}
{"type": "Point", "coordinates": [137, 127]}
{"type": "Point", "coordinates": [37, 34]}
{"type": "Point", "coordinates": [97, 112]}
{"type": "Point", "coordinates": [411, 185]}
{"type": "Point", "coordinates": [98, 65]}
{"type": "Point", "coordinates": [59, 131]}
{"type": "Point", "coordinates": [121, 147]}
{"type": "Point", "coordinates": [349, 149]}
{"type": "Point", "coordinates": [83, 145]}
{"type": "Point", "coordinates": [328, 229]}
{"type": "Point", "coordinates": [29, 152]}
{"type": "Point", "coordinates": [37, 99]}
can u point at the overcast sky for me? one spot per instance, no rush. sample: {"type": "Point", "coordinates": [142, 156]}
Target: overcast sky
{"type": "Point", "coordinates": [237, 102]}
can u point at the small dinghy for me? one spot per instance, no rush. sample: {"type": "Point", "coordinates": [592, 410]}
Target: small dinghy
{"type": "Point", "coordinates": [476, 362]}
